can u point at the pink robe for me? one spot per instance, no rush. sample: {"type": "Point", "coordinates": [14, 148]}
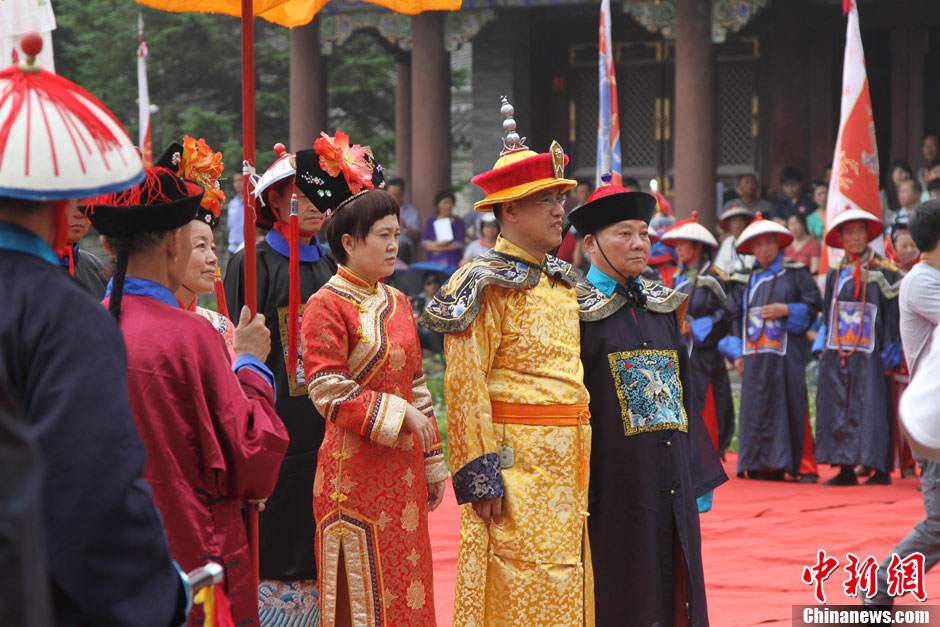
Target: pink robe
{"type": "Point", "coordinates": [213, 439]}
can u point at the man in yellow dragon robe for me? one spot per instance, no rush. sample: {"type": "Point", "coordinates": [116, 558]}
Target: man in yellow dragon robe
{"type": "Point", "coordinates": [517, 410]}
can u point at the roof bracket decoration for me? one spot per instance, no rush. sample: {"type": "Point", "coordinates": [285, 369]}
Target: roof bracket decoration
{"type": "Point", "coordinates": [659, 16]}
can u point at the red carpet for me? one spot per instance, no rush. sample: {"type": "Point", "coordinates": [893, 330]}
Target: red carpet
{"type": "Point", "coordinates": [756, 541]}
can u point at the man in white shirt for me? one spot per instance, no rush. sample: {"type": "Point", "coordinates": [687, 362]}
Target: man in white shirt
{"type": "Point", "coordinates": [920, 312]}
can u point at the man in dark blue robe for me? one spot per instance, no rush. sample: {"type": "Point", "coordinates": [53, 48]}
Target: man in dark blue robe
{"type": "Point", "coordinates": [651, 454]}
{"type": "Point", "coordinates": [706, 322]}
{"type": "Point", "coordinates": [771, 308]}
{"type": "Point", "coordinates": [859, 341]}
{"type": "Point", "coordinates": [62, 361]}
{"type": "Point", "coordinates": [106, 552]}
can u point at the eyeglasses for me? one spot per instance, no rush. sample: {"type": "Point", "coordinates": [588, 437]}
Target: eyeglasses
{"type": "Point", "coordinates": [549, 201]}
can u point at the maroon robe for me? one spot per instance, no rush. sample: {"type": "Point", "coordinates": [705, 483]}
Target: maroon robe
{"type": "Point", "coordinates": [213, 439]}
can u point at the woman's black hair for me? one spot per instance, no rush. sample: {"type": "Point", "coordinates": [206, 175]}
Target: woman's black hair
{"type": "Point", "coordinates": [801, 218]}
{"type": "Point", "coordinates": [891, 190]}
{"type": "Point", "coordinates": [356, 219]}
{"type": "Point", "coordinates": [441, 195]}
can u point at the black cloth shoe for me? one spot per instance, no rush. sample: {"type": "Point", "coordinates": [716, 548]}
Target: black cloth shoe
{"type": "Point", "coordinates": [879, 478]}
{"type": "Point", "coordinates": [846, 476]}
{"type": "Point", "coordinates": [809, 477]}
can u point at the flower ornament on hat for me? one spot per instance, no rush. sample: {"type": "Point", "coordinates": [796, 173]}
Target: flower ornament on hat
{"type": "Point", "coordinates": [732, 211]}
{"type": "Point", "coordinates": [610, 204]}
{"type": "Point", "coordinates": [833, 236]}
{"type": "Point", "coordinates": [519, 171]}
{"type": "Point", "coordinates": [334, 172]}
{"type": "Point", "coordinates": [759, 227]}
{"type": "Point", "coordinates": [690, 230]}
{"type": "Point", "coordinates": [196, 161]}
{"type": "Point", "coordinates": [57, 141]}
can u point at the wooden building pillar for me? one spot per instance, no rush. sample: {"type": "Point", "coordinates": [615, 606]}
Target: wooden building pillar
{"type": "Point", "coordinates": [695, 130]}
{"type": "Point", "coordinates": [403, 153]}
{"type": "Point", "coordinates": [308, 102]}
{"type": "Point", "coordinates": [430, 111]}
{"type": "Point", "coordinates": [908, 47]}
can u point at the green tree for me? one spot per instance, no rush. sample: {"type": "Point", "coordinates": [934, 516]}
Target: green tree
{"type": "Point", "coordinates": [194, 72]}
{"type": "Point", "coordinates": [361, 92]}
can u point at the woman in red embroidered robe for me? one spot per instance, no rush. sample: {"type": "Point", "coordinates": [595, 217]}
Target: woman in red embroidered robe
{"type": "Point", "coordinates": [380, 467]}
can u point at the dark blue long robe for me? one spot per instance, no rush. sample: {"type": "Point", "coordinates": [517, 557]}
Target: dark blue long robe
{"type": "Point", "coordinates": [648, 463]}
{"type": "Point", "coordinates": [24, 588]}
{"type": "Point", "coordinates": [287, 527]}
{"type": "Point", "coordinates": [708, 315]}
{"type": "Point", "coordinates": [774, 403]}
{"type": "Point", "coordinates": [63, 355]}
{"type": "Point", "coordinates": [853, 424]}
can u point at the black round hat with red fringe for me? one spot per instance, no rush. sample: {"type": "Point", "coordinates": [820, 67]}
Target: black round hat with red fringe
{"type": "Point", "coordinates": [161, 202]}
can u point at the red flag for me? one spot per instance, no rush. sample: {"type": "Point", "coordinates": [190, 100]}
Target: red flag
{"type": "Point", "coordinates": [854, 183]}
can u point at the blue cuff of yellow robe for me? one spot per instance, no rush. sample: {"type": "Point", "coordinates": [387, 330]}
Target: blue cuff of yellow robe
{"type": "Point", "coordinates": [730, 347]}
{"type": "Point", "coordinates": [798, 319]}
{"type": "Point", "coordinates": [705, 502]}
{"type": "Point", "coordinates": [250, 361]}
{"type": "Point", "coordinates": [480, 479]}
{"type": "Point", "coordinates": [701, 328]}
{"type": "Point", "coordinates": [819, 344]}
{"type": "Point", "coordinates": [891, 356]}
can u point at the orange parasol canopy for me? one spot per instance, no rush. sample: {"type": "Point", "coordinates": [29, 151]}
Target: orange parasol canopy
{"type": "Point", "coordinates": [291, 13]}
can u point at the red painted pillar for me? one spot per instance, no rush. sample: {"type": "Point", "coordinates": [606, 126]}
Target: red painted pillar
{"type": "Point", "coordinates": [430, 111]}
{"type": "Point", "coordinates": [308, 103]}
{"type": "Point", "coordinates": [694, 116]}
{"type": "Point", "coordinates": [403, 124]}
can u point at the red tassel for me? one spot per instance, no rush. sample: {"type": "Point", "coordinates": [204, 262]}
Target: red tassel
{"type": "Point", "coordinates": [847, 6]}
{"type": "Point", "coordinates": [294, 294]}
{"type": "Point", "coordinates": [220, 303]}
{"type": "Point", "coordinates": [71, 254]}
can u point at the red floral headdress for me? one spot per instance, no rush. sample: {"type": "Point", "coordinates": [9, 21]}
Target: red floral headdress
{"type": "Point", "coordinates": [199, 163]}
{"type": "Point", "coordinates": [354, 162]}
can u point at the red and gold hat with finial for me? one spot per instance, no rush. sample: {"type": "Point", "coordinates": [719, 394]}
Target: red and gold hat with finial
{"type": "Point", "coordinates": [689, 230]}
{"type": "Point", "coordinates": [761, 226]}
{"type": "Point", "coordinates": [58, 141]}
{"type": "Point", "coordinates": [519, 171]}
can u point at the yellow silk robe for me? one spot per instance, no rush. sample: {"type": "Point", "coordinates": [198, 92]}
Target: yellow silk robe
{"type": "Point", "coordinates": [532, 569]}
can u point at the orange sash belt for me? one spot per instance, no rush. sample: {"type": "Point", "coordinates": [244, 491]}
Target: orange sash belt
{"type": "Point", "coordinates": [548, 416]}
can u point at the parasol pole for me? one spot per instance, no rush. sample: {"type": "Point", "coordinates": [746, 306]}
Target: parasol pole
{"type": "Point", "coordinates": [251, 290]}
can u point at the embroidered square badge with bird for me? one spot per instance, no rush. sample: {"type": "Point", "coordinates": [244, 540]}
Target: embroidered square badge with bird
{"type": "Point", "coordinates": [649, 390]}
